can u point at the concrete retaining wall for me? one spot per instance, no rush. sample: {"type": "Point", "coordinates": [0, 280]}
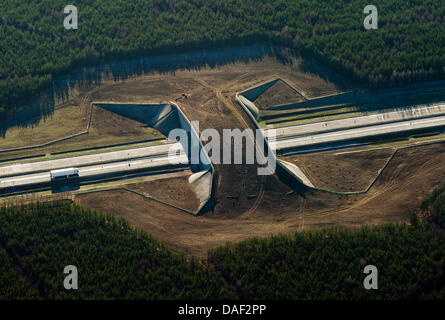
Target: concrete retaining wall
{"type": "Point", "coordinates": [270, 147]}
{"type": "Point", "coordinates": [253, 93]}
{"type": "Point", "coordinates": [297, 176]}
{"type": "Point", "coordinates": [166, 117]}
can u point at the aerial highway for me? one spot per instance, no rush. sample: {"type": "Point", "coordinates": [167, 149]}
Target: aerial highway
{"type": "Point", "coordinates": [355, 122]}
{"type": "Point", "coordinates": [357, 133]}
{"type": "Point", "coordinates": [96, 170]}
{"type": "Point", "coordinates": [98, 158]}
{"type": "Point", "coordinates": [20, 175]}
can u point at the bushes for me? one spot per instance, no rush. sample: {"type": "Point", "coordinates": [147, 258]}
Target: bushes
{"type": "Point", "coordinates": [413, 219]}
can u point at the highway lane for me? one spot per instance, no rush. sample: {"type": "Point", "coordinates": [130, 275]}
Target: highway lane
{"type": "Point", "coordinates": [98, 170]}
{"type": "Point", "coordinates": [79, 161]}
{"type": "Point", "coordinates": [351, 134]}
{"type": "Point", "coordinates": [132, 165]}
{"type": "Point", "coordinates": [370, 120]}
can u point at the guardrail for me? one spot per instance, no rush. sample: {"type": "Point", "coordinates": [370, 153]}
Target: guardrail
{"type": "Point", "coordinates": [164, 115]}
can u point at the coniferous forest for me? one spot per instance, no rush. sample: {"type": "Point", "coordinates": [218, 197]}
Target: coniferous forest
{"type": "Point", "coordinates": [408, 46]}
{"type": "Point", "coordinates": [115, 261]}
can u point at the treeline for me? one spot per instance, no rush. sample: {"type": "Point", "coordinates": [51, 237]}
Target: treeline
{"type": "Point", "coordinates": [113, 260]}
{"type": "Point", "coordinates": [329, 264]}
{"type": "Point", "coordinates": [434, 207]}
{"type": "Point", "coordinates": [34, 46]}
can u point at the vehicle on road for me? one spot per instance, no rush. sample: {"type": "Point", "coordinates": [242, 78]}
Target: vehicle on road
{"type": "Point", "coordinates": [64, 174]}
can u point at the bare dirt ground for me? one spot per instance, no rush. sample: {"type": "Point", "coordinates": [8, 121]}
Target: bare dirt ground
{"type": "Point", "coordinates": [341, 170]}
{"type": "Point", "coordinates": [248, 205]}
{"type": "Point", "coordinates": [412, 175]}
{"type": "Point", "coordinates": [176, 191]}
{"type": "Point", "coordinates": [278, 94]}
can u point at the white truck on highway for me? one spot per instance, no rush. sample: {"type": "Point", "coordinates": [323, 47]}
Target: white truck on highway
{"type": "Point", "coordinates": [64, 174]}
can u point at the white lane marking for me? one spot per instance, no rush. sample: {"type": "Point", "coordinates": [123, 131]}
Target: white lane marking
{"type": "Point", "coordinates": [374, 119]}
{"type": "Point", "coordinates": [418, 124]}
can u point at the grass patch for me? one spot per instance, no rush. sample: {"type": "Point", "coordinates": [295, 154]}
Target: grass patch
{"type": "Point", "coordinates": [63, 122]}
{"type": "Point", "coordinates": [107, 129]}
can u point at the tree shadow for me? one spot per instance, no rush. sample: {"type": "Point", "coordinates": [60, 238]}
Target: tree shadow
{"type": "Point", "coordinates": [42, 106]}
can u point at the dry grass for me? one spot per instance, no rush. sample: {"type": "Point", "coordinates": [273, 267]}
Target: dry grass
{"type": "Point", "coordinates": [63, 122]}
{"type": "Point", "coordinates": [107, 128]}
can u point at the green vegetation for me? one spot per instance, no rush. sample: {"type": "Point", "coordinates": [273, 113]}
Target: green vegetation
{"type": "Point", "coordinates": [116, 261]}
{"type": "Point", "coordinates": [12, 285]}
{"type": "Point", "coordinates": [35, 48]}
{"type": "Point", "coordinates": [113, 260]}
{"type": "Point", "coordinates": [328, 264]}
{"type": "Point", "coordinates": [434, 206]}
{"type": "Point", "coordinates": [62, 123]}
{"type": "Point", "coordinates": [315, 116]}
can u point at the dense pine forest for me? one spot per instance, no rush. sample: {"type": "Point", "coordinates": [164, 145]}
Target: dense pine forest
{"type": "Point", "coordinates": [329, 264]}
{"type": "Point", "coordinates": [117, 262]}
{"type": "Point", "coordinates": [113, 260]}
{"type": "Point", "coordinates": [434, 207]}
{"type": "Point", "coordinates": [409, 45]}
{"type": "Point", "coordinates": [12, 285]}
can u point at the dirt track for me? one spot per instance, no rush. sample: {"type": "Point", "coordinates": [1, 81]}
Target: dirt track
{"type": "Point", "coordinates": [341, 170]}
{"type": "Point", "coordinates": [396, 194]}
{"type": "Point", "coordinates": [248, 205]}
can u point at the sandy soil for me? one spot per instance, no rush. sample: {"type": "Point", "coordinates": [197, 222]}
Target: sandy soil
{"type": "Point", "coordinates": [63, 122]}
{"type": "Point", "coordinates": [105, 122]}
{"type": "Point", "coordinates": [107, 128]}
